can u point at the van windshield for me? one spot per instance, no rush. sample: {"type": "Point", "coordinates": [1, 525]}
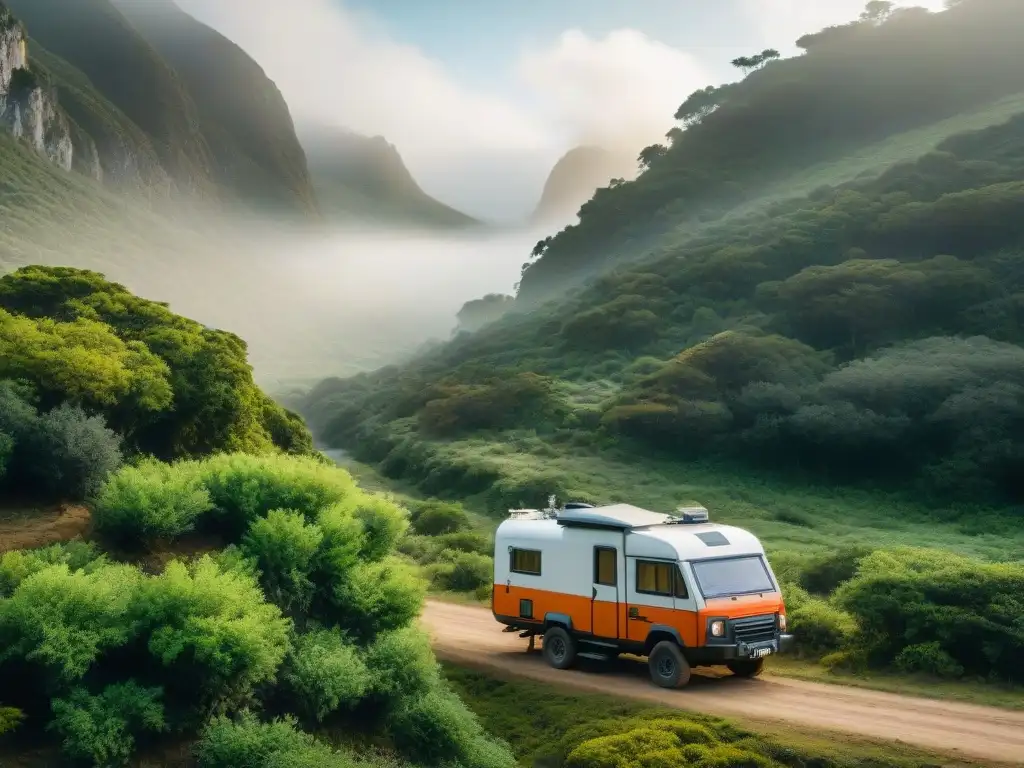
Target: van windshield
{"type": "Point", "coordinates": [733, 576]}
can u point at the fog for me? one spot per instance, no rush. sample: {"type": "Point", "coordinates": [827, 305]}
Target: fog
{"type": "Point", "coordinates": [310, 302]}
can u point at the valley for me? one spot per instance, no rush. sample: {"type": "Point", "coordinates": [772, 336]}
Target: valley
{"type": "Point", "coordinates": [265, 397]}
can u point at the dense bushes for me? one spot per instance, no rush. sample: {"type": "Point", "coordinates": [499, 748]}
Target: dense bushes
{"type": "Point", "coordinates": [170, 386]}
{"type": "Point", "coordinates": [63, 453]}
{"type": "Point", "coordinates": [796, 337]}
{"type": "Point", "coordinates": [112, 659]}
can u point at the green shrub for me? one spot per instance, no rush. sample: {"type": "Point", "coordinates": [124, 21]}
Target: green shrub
{"type": "Point", "coordinates": [248, 743]}
{"type": "Point", "coordinates": [10, 719]}
{"type": "Point", "coordinates": [462, 571]}
{"type": "Point", "coordinates": [284, 548]}
{"type": "Point", "coordinates": [150, 501]}
{"type": "Point", "coordinates": [325, 673]}
{"type": "Point", "coordinates": [914, 597]}
{"type": "Point", "coordinates": [824, 574]}
{"type": "Point", "coordinates": [438, 729]}
{"type": "Point", "coordinates": [375, 598]}
{"type": "Point", "coordinates": [17, 565]}
{"type": "Point", "coordinates": [6, 451]}
{"type": "Point", "coordinates": [63, 620]}
{"type": "Point", "coordinates": [466, 541]}
{"type": "Point", "coordinates": [621, 750]}
{"type": "Point", "coordinates": [433, 518]}
{"type": "Point", "coordinates": [820, 628]}
{"type": "Point", "coordinates": [244, 488]}
{"type": "Point", "coordinates": [930, 659]}
{"type": "Point", "coordinates": [104, 728]}
{"type": "Point", "coordinates": [401, 664]}
{"type": "Point", "coordinates": [383, 523]}
{"type": "Point", "coordinates": [214, 634]}
{"type": "Point", "coordinates": [70, 453]}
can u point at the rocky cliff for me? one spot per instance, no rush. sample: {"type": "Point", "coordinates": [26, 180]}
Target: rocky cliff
{"type": "Point", "coordinates": [28, 106]}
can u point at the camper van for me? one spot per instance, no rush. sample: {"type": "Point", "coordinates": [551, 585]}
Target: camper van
{"type": "Point", "coordinates": [597, 582]}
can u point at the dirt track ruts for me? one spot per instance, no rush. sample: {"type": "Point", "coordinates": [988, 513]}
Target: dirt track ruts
{"type": "Point", "coordinates": [469, 636]}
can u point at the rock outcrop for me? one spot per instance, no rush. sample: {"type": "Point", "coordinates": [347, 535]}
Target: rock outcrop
{"type": "Point", "coordinates": [28, 107]}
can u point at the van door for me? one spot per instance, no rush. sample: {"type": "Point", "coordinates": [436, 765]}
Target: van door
{"type": "Point", "coordinates": [604, 606]}
{"type": "Point", "coordinates": [658, 594]}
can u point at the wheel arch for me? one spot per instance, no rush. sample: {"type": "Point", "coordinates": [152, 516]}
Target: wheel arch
{"type": "Point", "coordinates": [661, 632]}
{"type": "Point", "coordinates": [557, 620]}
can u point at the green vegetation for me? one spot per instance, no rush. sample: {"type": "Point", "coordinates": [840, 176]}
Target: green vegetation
{"type": "Point", "coordinates": [843, 368]}
{"type": "Point", "coordinates": [304, 620]}
{"type": "Point", "coordinates": [560, 730]}
{"type": "Point", "coordinates": [884, 74]}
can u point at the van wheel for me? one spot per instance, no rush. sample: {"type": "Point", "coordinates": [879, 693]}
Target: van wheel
{"type": "Point", "coordinates": [746, 667]}
{"type": "Point", "coordinates": [559, 648]}
{"type": "Point", "coordinates": [669, 668]}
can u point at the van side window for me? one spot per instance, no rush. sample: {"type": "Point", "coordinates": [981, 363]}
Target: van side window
{"type": "Point", "coordinates": [525, 561]}
{"type": "Point", "coordinates": [681, 590]}
{"type": "Point", "coordinates": [654, 578]}
{"type": "Point", "coordinates": [604, 567]}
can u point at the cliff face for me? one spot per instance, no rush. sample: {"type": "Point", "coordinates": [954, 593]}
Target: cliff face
{"type": "Point", "coordinates": [575, 178]}
{"type": "Point", "coordinates": [28, 107]}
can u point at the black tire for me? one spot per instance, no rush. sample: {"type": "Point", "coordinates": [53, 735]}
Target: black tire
{"type": "Point", "coordinates": [746, 667]}
{"type": "Point", "coordinates": [669, 668]}
{"type": "Point", "coordinates": [559, 648]}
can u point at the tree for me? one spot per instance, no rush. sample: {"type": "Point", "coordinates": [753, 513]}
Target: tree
{"type": "Point", "coordinates": [750, 63]}
{"type": "Point", "coordinates": [877, 11]}
{"type": "Point", "coordinates": [699, 105]}
{"type": "Point", "coordinates": [649, 155]}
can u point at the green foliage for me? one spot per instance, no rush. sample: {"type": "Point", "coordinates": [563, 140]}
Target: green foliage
{"type": "Point", "coordinates": [497, 404]}
{"type": "Point", "coordinates": [102, 728]}
{"type": "Point", "coordinates": [10, 719]}
{"type": "Point", "coordinates": [475, 314]}
{"type": "Point", "coordinates": [820, 628]}
{"type": "Point", "coordinates": [82, 339]}
{"type": "Point", "coordinates": [325, 673]}
{"type": "Point", "coordinates": [62, 453]}
{"type": "Point", "coordinates": [462, 571]}
{"type": "Point", "coordinates": [213, 632]}
{"type": "Point", "coordinates": [283, 547]}
{"type": "Point", "coordinates": [435, 518]}
{"type": "Point", "coordinates": [938, 612]}
{"type": "Point", "coordinates": [150, 502]}
{"type": "Point", "coordinates": [244, 487]}
{"type": "Point", "coordinates": [248, 743]}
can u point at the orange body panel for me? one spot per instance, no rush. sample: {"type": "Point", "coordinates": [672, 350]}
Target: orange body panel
{"type": "Point", "coordinates": [737, 608]}
{"type": "Point", "coordinates": [606, 620]}
{"type": "Point", "coordinates": [611, 620]}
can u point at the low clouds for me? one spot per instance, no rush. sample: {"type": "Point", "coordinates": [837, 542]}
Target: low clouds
{"type": "Point", "coordinates": [335, 67]}
{"type": "Point", "coordinates": [621, 89]}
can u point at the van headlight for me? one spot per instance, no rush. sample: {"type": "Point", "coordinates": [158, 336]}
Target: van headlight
{"type": "Point", "coordinates": [782, 622]}
{"type": "Point", "coordinates": [718, 629]}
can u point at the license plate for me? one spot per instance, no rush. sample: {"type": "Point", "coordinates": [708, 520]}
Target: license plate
{"type": "Point", "coordinates": [760, 653]}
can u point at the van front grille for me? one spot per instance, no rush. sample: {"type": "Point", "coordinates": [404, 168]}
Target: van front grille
{"type": "Point", "coordinates": [754, 629]}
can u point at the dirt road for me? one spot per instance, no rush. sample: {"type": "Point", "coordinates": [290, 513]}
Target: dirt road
{"type": "Point", "coordinates": [469, 635]}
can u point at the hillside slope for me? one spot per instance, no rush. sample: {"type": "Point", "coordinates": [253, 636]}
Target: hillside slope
{"type": "Point", "coordinates": [576, 177]}
{"type": "Point", "coordinates": [867, 81]}
{"type": "Point", "coordinates": [94, 37]}
{"type": "Point", "coordinates": [363, 178]}
{"type": "Point", "coordinates": [867, 332]}
{"type": "Point", "coordinates": [242, 115]}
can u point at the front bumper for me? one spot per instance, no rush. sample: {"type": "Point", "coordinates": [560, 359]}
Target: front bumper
{"type": "Point", "coordinates": [719, 654]}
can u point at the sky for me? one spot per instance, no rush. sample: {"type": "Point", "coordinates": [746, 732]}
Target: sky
{"type": "Point", "coordinates": [481, 97]}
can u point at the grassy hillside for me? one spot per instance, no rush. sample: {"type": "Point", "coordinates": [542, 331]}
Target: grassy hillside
{"type": "Point", "coordinates": [95, 38]}
{"type": "Point", "coordinates": [242, 115]}
{"type": "Point", "coordinates": [842, 367]}
{"type": "Point", "coordinates": [851, 89]}
{"type": "Point", "coordinates": [359, 178]}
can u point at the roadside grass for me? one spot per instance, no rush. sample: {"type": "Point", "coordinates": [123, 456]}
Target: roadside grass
{"type": "Point", "coordinates": [538, 721]}
{"type": "Point", "coordinates": [792, 520]}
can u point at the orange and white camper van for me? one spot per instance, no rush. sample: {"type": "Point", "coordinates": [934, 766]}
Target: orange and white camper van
{"type": "Point", "coordinates": [596, 582]}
